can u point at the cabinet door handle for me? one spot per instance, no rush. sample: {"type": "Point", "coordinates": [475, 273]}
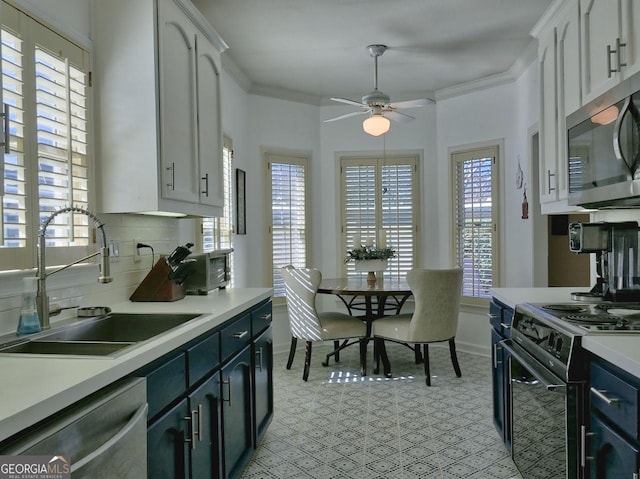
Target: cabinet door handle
{"type": "Point", "coordinates": [583, 446]}
{"type": "Point", "coordinates": [259, 359]}
{"type": "Point", "coordinates": [609, 69]}
{"type": "Point", "coordinates": [601, 394]}
{"type": "Point", "coordinates": [172, 169]}
{"type": "Point", "coordinates": [266, 317]}
{"type": "Point", "coordinates": [505, 325]}
{"type": "Point", "coordinates": [228, 383]}
{"type": "Point", "coordinates": [619, 46]}
{"type": "Point", "coordinates": [193, 425]}
{"type": "Point", "coordinates": [549, 176]}
{"type": "Point", "coordinates": [205, 178]}
{"type": "Point", "coordinates": [240, 334]}
{"type": "Point", "coordinates": [618, 52]}
{"type": "Point", "coordinates": [199, 422]}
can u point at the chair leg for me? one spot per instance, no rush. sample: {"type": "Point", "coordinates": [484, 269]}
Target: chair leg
{"type": "Point", "coordinates": [418, 356]}
{"type": "Point", "coordinates": [363, 356]}
{"type": "Point", "coordinates": [376, 356]}
{"type": "Point", "coordinates": [336, 346]}
{"type": "Point", "coordinates": [336, 351]}
{"type": "Point", "coordinates": [292, 351]}
{"type": "Point", "coordinates": [454, 357]}
{"type": "Point", "coordinates": [382, 352]}
{"type": "Point", "coordinates": [427, 372]}
{"type": "Point", "coordinates": [307, 360]}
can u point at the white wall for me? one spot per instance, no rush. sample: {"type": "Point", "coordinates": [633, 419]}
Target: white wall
{"type": "Point", "coordinates": [504, 113]}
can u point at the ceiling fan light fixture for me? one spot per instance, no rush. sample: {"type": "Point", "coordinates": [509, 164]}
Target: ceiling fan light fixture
{"type": "Point", "coordinates": [376, 125]}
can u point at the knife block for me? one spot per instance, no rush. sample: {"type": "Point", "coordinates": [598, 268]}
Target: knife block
{"type": "Point", "coordinates": [157, 286]}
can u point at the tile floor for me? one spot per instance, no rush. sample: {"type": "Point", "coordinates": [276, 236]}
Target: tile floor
{"type": "Point", "coordinates": [339, 425]}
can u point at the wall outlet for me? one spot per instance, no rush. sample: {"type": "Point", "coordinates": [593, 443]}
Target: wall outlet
{"type": "Point", "coordinates": [136, 251]}
{"type": "Point", "coordinates": [114, 251]}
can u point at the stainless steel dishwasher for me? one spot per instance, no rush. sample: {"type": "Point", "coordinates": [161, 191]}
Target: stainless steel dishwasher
{"type": "Point", "coordinates": [103, 436]}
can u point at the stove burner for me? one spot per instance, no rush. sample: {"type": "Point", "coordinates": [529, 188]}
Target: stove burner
{"type": "Point", "coordinates": [593, 318]}
{"type": "Point", "coordinates": [607, 306]}
{"type": "Point", "coordinates": [567, 308]}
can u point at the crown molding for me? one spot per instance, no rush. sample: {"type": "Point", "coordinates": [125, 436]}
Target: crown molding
{"type": "Point", "coordinates": [519, 66]}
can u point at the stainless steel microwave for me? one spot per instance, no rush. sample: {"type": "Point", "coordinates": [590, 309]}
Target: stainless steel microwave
{"type": "Point", "coordinates": [604, 149]}
{"type": "Point", "coordinates": [209, 272]}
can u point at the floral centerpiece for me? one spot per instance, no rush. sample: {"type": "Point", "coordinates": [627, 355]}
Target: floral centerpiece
{"type": "Point", "coordinates": [370, 259]}
{"type": "Point", "coordinates": [368, 252]}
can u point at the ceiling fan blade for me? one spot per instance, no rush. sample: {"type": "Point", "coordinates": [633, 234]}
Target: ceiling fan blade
{"type": "Point", "coordinates": [399, 117]}
{"type": "Point", "coordinates": [412, 103]}
{"type": "Point", "coordinates": [350, 102]}
{"type": "Point", "coordinates": [354, 113]}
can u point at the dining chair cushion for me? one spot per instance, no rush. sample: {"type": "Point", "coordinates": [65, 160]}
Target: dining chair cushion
{"type": "Point", "coordinates": [393, 327]}
{"type": "Point", "coordinates": [341, 326]}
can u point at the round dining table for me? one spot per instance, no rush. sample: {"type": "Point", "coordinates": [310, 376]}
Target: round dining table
{"type": "Point", "coordinates": [373, 299]}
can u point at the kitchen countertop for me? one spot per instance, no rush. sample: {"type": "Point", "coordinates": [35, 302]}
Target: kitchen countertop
{"type": "Point", "coordinates": [36, 387]}
{"type": "Point", "coordinates": [622, 350]}
{"type": "Point", "coordinates": [512, 296]}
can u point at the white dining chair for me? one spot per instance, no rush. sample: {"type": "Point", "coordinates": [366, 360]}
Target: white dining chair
{"type": "Point", "coordinates": [437, 294]}
{"type": "Point", "coordinates": [305, 322]}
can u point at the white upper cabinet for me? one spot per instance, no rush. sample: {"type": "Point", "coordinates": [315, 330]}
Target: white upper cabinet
{"type": "Point", "coordinates": [548, 117]}
{"type": "Point", "coordinates": [560, 95]}
{"type": "Point", "coordinates": [568, 47]}
{"type": "Point", "coordinates": [178, 104]}
{"type": "Point", "coordinates": [157, 74]}
{"type": "Point", "coordinates": [209, 126]}
{"type": "Point", "coordinates": [609, 44]}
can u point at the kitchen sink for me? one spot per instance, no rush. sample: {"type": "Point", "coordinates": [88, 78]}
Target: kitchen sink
{"type": "Point", "coordinates": [120, 327]}
{"type": "Point", "coordinates": [65, 348]}
{"type": "Point", "coordinates": [103, 336]}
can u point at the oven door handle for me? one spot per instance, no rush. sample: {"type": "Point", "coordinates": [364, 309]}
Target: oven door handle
{"type": "Point", "coordinates": [550, 381]}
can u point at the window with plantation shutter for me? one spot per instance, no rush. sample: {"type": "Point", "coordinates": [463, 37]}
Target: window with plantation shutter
{"type": "Point", "coordinates": [45, 86]}
{"type": "Point", "coordinates": [289, 234]}
{"type": "Point", "coordinates": [475, 204]}
{"type": "Point", "coordinates": [380, 197]}
{"type": "Point", "coordinates": [217, 233]}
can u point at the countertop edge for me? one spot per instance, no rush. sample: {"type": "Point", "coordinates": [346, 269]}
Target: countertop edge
{"type": "Point", "coordinates": [622, 351]}
{"type": "Point", "coordinates": [52, 384]}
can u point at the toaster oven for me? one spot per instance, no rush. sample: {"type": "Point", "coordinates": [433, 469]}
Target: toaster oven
{"type": "Point", "coordinates": [210, 271]}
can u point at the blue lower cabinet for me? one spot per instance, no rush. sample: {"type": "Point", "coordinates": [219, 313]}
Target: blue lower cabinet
{"type": "Point", "coordinates": [498, 385]}
{"type": "Point", "coordinates": [205, 423]}
{"type": "Point", "coordinates": [237, 413]}
{"type": "Point", "coordinates": [500, 318]}
{"type": "Point", "coordinates": [167, 446]}
{"type": "Point", "coordinates": [211, 400]}
{"type": "Point", "coordinates": [610, 455]}
{"type": "Point", "coordinates": [262, 383]}
{"type": "Point", "coordinates": [613, 435]}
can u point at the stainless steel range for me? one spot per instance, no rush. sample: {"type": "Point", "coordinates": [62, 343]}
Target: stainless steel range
{"type": "Point", "coordinates": [548, 378]}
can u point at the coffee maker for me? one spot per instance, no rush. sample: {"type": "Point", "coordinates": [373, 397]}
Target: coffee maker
{"type": "Point", "coordinates": [617, 263]}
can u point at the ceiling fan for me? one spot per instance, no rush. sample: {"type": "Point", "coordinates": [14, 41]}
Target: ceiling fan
{"type": "Point", "coordinates": [378, 105]}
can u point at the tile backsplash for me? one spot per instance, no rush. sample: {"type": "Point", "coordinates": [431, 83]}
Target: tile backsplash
{"type": "Point", "coordinates": [78, 285]}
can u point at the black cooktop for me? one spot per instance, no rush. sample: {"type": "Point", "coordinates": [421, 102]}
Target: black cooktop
{"type": "Point", "coordinates": [600, 317]}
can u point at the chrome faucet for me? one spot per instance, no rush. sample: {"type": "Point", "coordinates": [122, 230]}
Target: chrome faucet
{"type": "Point", "coordinates": [42, 300]}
